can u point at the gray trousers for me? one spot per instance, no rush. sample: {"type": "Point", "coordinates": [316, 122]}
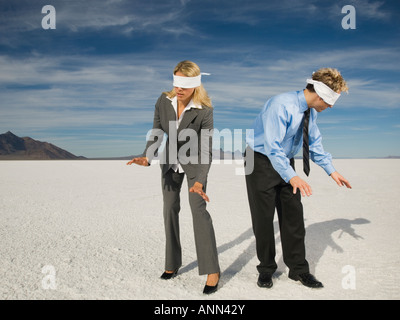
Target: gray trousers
{"type": "Point", "coordinates": [204, 236]}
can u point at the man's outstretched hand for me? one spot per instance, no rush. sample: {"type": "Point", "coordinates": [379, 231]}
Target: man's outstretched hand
{"type": "Point", "coordinates": [304, 187]}
{"type": "Point", "coordinates": [341, 181]}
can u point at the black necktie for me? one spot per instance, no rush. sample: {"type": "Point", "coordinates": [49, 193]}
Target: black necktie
{"type": "Point", "coordinates": [306, 151]}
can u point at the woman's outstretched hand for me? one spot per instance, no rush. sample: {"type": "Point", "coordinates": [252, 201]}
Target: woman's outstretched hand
{"type": "Point", "coordinates": [141, 161]}
{"type": "Point", "coordinates": [198, 188]}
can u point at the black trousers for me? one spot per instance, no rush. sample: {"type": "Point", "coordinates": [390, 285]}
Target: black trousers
{"type": "Point", "coordinates": [266, 192]}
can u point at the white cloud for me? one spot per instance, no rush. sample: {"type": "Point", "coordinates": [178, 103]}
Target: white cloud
{"type": "Point", "coordinates": [79, 91]}
{"type": "Point", "coordinates": [254, 12]}
{"type": "Point", "coordinates": [118, 16]}
{"type": "Point", "coordinates": [366, 9]}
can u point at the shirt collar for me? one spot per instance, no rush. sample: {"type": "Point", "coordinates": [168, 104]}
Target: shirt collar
{"type": "Point", "coordinates": [302, 101]}
{"type": "Point", "coordinates": [191, 104]}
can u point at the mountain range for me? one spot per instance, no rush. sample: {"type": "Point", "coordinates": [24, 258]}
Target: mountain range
{"type": "Point", "coordinates": [13, 147]}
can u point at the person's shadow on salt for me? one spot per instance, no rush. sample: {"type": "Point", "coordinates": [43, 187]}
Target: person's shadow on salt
{"type": "Point", "coordinates": [245, 257]}
{"type": "Point", "coordinates": [319, 237]}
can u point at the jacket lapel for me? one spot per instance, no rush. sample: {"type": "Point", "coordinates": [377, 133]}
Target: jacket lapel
{"type": "Point", "coordinates": [188, 118]}
{"type": "Point", "coordinates": [171, 115]}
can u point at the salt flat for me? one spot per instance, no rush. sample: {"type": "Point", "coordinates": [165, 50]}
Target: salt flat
{"type": "Point", "coordinates": [94, 230]}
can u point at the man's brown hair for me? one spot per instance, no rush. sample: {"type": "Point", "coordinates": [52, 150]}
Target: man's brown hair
{"type": "Point", "coordinates": [331, 77]}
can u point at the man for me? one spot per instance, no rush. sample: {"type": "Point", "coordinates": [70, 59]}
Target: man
{"type": "Point", "coordinates": [274, 184]}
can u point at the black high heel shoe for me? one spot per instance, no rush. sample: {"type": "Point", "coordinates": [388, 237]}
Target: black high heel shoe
{"type": "Point", "coordinates": [169, 275]}
{"type": "Point", "coordinates": [211, 289]}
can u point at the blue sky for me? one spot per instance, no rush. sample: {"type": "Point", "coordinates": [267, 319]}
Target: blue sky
{"type": "Point", "coordinates": [90, 85]}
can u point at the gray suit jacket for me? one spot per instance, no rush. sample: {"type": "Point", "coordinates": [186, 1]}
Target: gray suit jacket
{"type": "Point", "coordinates": [191, 144]}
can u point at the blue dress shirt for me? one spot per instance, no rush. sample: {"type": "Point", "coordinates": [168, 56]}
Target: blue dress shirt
{"type": "Point", "coordinates": [278, 134]}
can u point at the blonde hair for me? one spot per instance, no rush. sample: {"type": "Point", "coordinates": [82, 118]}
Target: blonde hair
{"type": "Point", "coordinates": [190, 69]}
{"type": "Point", "coordinates": [332, 78]}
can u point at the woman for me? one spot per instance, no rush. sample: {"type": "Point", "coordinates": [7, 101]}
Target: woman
{"type": "Point", "coordinates": [185, 114]}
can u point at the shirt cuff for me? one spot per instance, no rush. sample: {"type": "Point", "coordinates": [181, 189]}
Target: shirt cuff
{"type": "Point", "coordinates": [288, 174]}
{"type": "Point", "coordinates": [329, 169]}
